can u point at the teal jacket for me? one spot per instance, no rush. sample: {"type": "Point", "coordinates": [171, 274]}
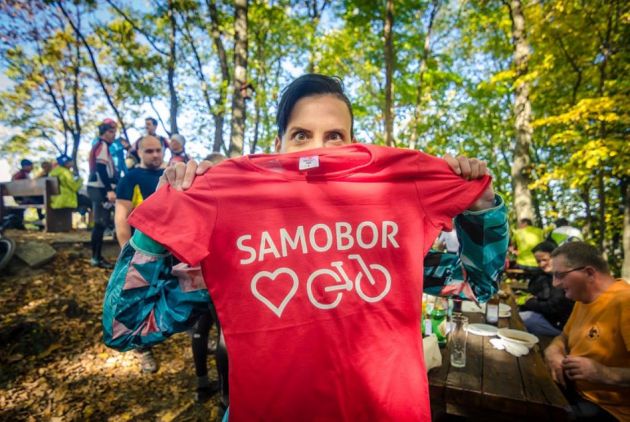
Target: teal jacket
{"type": "Point", "coordinates": [145, 303]}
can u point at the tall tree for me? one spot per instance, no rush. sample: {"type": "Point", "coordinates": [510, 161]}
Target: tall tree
{"type": "Point", "coordinates": [237, 133]}
{"type": "Point", "coordinates": [521, 167]}
{"type": "Point", "coordinates": [426, 50]}
{"type": "Point", "coordinates": [172, 60]}
{"type": "Point", "coordinates": [388, 35]}
{"type": "Point", "coordinates": [45, 63]}
{"type": "Point", "coordinates": [160, 32]}
{"type": "Point", "coordinates": [221, 98]}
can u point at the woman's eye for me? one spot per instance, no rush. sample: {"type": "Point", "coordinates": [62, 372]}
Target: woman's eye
{"type": "Point", "coordinates": [299, 136]}
{"type": "Point", "coordinates": [335, 137]}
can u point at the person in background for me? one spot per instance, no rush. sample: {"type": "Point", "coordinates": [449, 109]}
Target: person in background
{"type": "Point", "coordinates": [178, 152]}
{"type": "Point", "coordinates": [102, 189]}
{"type": "Point", "coordinates": [150, 125]}
{"type": "Point", "coordinates": [591, 357]}
{"type": "Point", "coordinates": [525, 237]}
{"type": "Point", "coordinates": [564, 232]}
{"type": "Point", "coordinates": [46, 167]}
{"type": "Point", "coordinates": [26, 167]}
{"type": "Point", "coordinates": [117, 149]}
{"type": "Point", "coordinates": [69, 184]}
{"type": "Point", "coordinates": [544, 310]}
{"type": "Point", "coordinates": [44, 171]}
{"type": "Point", "coordinates": [24, 173]}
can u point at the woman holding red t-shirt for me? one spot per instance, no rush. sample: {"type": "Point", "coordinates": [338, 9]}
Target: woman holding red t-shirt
{"type": "Point", "coordinates": [359, 209]}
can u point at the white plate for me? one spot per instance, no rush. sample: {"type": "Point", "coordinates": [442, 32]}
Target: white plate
{"type": "Point", "coordinates": [504, 308]}
{"type": "Point", "coordinates": [468, 306]}
{"type": "Point", "coordinates": [482, 329]}
{"type": "Point", "coordinates": [517, 337]}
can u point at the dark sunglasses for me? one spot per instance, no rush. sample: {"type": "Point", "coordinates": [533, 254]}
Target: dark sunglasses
{"type": "Point", "coordinates": [561, 274]}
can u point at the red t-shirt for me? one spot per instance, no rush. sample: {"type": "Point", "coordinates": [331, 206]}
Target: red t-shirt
{"type": "Point", "coordinates": [316, 274]}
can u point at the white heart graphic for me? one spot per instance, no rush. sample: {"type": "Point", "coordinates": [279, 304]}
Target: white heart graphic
{"type": "Point", "coordinates": [275, 309]}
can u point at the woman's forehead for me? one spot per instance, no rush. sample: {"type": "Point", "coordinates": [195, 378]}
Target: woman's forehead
{"type": "Point", "coordinates": [320, 110]}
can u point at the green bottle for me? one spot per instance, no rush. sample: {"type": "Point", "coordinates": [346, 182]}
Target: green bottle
{"type": "Point", "coordinates": [438, 321]}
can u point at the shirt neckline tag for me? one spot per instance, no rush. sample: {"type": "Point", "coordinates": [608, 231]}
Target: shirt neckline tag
{"type": "Point", "coordinates": [309, 162]}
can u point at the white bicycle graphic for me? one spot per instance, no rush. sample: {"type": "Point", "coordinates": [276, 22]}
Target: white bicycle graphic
{"type": "Point", "coordinates": [344, 283]}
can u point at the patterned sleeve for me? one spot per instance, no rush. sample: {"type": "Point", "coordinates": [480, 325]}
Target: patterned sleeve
{"type": "Point", "coordinates": [148, 299]}
{"type": "Point", "coordinates": [474, 273]}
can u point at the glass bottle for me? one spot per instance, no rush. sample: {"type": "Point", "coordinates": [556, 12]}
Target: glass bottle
{"type": "Point", "coordinates": [438, 320]}
{"type": "Point", "coordinates": [492, 310]}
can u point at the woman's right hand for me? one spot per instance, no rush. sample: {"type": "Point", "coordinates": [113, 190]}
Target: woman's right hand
{"type": "Point", "coordinates": [181, 176]}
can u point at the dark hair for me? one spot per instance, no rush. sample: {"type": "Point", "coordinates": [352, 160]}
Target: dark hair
{"type": "Point", "coordinates": [561, 222]}
{"type": "Point", "coordinates": [152, 120]}
{"type": "Point", "coordinates": [581, 254]}
{"type": "Point", "coordinates": [104, 127]}
{"type": "Point", "coordinates": [545, 246]}
{"type": "Point", "coordinates": [309, 85]}
{"type": "Point", "coordinates": [528, 221]}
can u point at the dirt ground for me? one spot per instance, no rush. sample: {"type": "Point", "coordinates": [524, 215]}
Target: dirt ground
{"type": "Point", "coordinates": [54, 366]}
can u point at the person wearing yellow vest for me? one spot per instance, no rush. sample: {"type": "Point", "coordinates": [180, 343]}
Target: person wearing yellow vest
{"type": "Point", "coordinates": [591, 357]}
{"type": "Point", "coordinates": [525, 238]}
{"type": "Point", "coordinates": [69, 184]}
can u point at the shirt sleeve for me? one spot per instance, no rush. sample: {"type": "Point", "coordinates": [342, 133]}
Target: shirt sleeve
{"type": "Point", "coordinates": [124, 190]}
{"type": "Point", "coordinates": [181, 221]}
{"type": "Point", "coordinates": [475, 273]}
{"type": "Point", "coordinates": [442, 193]}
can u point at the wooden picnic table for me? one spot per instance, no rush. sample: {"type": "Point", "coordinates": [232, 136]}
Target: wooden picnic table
{"type": "Point", "coordinates": [495, 385]}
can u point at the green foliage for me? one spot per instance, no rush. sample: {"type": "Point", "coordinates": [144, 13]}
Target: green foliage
{"type": "Point", "coordinates": [454, 97]}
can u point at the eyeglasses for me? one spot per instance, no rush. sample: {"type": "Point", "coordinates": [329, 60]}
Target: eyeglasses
{"type": "Point", "coordinates": [561, 274]}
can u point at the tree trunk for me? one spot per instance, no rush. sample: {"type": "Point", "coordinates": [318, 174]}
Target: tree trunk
{"type": "Point", "coordinates": [172, 59]}
{"type": "Point", "coordinates": [625, 269]}
{"type": "Point", "coordinates": [588, 227]}
{"type": "Point", "coordinates": [75, 101]}
{"type": "Point", "coordinates": [389, 72]}
{"type": "Point", "coordinates": [601, 196]}
{"type": "Point", "coordinates": [219, 114]}
{"type": "Point", "coordinates": [413, 139]}
{"type": "Point", "coordinates": [237, 133]}
{"type": "Point", "coordinates": [521, 166]}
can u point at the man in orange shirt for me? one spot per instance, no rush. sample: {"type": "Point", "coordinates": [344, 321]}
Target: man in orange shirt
{"type": "Point", "coordinates": [591, 357]}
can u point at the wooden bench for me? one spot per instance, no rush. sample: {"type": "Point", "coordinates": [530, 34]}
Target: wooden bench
{"type": "Point", "coordinates": [56, 220]}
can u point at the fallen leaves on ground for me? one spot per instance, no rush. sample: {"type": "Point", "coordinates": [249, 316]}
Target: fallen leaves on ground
{"type": "Point", "coordinates": [55, 367]}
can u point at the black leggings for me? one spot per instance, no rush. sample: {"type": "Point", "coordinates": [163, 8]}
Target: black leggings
{"type": "Point", "coordinates": [102, 219]}
{"type": "Point", "coordinates": [201, 330]}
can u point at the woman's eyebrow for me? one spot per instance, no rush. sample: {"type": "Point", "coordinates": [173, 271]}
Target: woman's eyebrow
{"type": "Point", "coordinates": [298, 128]}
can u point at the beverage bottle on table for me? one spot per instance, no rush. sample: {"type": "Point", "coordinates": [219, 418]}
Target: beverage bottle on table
{"type": "Point", "coordinates": [492, 310]}
{"type": "Point", "coordinates": [438, 320]}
